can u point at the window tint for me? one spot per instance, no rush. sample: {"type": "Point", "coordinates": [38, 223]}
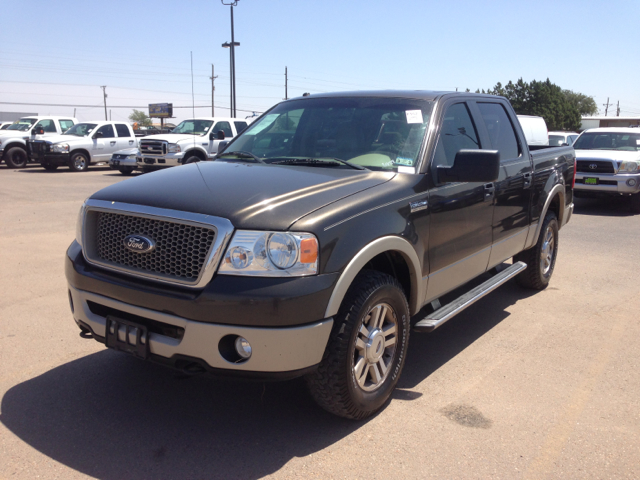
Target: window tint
{"type": "Point", "coordinates": [458, 133]}
{"type": "Point", "coordinates": [48, 125]}
{"type": "Point", "coordinates": [225, 127]}
{"type": "Point", "coordinates": [556, 140]}
{"type": "Point", "coordinates": [123, 130]}
{"type": "Point", "coordinates": [107, 131]}
{"type": "Point", "coordinates": [66, 124]}
{"type": "Point", "coordinates": [500, 129]}
{"type": "Point", "coordinates": [240, 126]}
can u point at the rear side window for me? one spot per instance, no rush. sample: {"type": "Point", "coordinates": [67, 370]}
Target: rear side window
{"type": "Point", "coordinates": [48, 125]}
{"type": "Point", "coordinates": [123, 130]}
{"type": "Point", "coordinates": [501, 133]}
{"type": "Point", "coordinates": [572, 139]}
{"type": "Point", "coordinates": [66, 125]}
{"type": "Point", "coordinates": [225, 127]}
{"type": "Point", "coordinates": [107, 131]}
{"type": "Point", "coordinates": [458, 133]}
{"type": "Point", "coordinates": [240, 126]}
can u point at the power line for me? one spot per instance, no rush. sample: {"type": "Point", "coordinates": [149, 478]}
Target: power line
{"type": "Point", "coordinates": [112, 106]}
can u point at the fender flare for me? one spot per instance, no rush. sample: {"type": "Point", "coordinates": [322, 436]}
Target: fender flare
{"type": "Point", "coordinates": [558, 189]}
{"type": "Point", "coordinates": [14, 143]}
{"type": "Point", "coordinates": [357, 263]}
{"type": "Point", "coordinates": [202, 154]}
{"type": "Point", "coordinates": [81, 150]}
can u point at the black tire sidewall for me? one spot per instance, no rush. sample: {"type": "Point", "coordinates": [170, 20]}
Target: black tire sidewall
{"type": "Point", "coordinates": [372, 401]}
{"type": "Point", "coordinates": [191, 159]}
{"type": "Point", "coordinates": [126, 170]}
{"type": "Point", "coordinates": [16, 152]}
{"type": "Point", "coordinates": [552, 221]}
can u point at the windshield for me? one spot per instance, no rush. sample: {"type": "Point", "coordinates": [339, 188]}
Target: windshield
{"type": "Point", "coordinates": [556, 140]}
{"type": "Point", "coordinates": [376, 133]}
{"type": "Point", "coordinates": [629, 142]}
{"type": "Point", "coordinates": [23, 124]}
{"type": "Point", "coordinates": [81, 129]}
{"type": "Point", "coordinates": [193, 127]}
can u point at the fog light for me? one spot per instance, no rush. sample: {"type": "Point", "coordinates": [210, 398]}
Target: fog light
{"type": "Point", "coordinates": [243, 348]}
{"type": "Point", "coordinates": [632, 182]}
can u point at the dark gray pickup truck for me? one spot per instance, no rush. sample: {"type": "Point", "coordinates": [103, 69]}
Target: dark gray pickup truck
{"type": "Point", "coordinates": [323, 234]}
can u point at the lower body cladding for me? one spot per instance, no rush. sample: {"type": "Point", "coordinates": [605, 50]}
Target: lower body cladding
{"type": "Point", "coordinates": [178, 341]}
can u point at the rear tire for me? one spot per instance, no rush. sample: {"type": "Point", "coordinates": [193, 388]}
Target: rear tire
{"type": "Point", "coordinates": [541, 258]}
{"type": "Point", "coordinates": [16, 157]}
{"type": "Point", "coordinates": [78, 162]}
{"type": "Point", "coordinates": [126, 170]}
{"type": "Point", "coordinates": [366, 349]}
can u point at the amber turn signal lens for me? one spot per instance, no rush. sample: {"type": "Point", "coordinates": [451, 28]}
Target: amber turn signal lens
{"type": "Point", "coordinates": [308, 250]}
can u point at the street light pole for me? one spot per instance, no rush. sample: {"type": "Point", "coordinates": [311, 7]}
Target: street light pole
{"type": "Point", "coordinates": [232, 60]}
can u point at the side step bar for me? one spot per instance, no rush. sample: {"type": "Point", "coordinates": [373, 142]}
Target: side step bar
{"type": "Point", "coordinates": [440, 316]}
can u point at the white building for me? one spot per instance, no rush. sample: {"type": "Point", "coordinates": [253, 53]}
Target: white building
{"type": "Point", "coordinates": [597, 122]}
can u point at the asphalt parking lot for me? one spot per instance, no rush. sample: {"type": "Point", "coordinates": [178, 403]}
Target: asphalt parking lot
{"type": "Point", "coordinates": [523, 385]}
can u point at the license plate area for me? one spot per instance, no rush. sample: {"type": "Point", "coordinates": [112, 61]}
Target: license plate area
{"type": "Point", "coordinates": [126, 336]}
{"type": "Point", "coordinates": [591, 180]}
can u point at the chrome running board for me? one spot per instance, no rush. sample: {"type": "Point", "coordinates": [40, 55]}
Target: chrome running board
{"type": "Point", "coordinates": [440, 316]}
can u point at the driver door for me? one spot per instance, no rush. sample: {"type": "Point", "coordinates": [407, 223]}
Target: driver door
{"type": "Point", "coordinates": [105, 145]}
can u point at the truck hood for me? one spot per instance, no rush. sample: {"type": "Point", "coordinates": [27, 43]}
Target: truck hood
{"type": "Point", "coordinates": [177, 137]}
{"type": "Point", "coordinates": [251, 196]}
{"type": "Point", "coordinates": [617, 155]}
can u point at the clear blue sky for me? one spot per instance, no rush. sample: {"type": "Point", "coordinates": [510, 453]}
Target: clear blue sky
{"type": "Point", "coordinates": [61, 52]}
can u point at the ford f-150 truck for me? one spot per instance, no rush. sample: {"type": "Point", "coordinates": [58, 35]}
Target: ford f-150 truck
{"type": "Point", "coordinates": [13, 140]}
{"type": "Point", "coordinates": [82, 145]}
{"type": "Point", "coordinates": [193, 140]}
{"type": "Point", "coordinates": [609, 164]}
{"type": "Point", "coordinates": [319, 238]}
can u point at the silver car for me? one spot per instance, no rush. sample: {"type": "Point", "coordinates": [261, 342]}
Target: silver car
{"type": "Point", "coordinates": [124, 160]}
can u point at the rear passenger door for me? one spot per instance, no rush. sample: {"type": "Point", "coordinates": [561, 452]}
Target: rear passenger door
{"type": "Point", "coordinates": [461, 213]}
{"type": "Point", "coordinates": [125, 136]}
{"type": "Point", "coordinates": [513, 187]}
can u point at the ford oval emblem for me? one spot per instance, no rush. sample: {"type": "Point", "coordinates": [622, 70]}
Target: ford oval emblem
{"type": "Point", "coordinates": [139, 244]}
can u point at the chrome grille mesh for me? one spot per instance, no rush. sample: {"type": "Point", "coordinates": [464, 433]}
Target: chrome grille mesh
{"type": "Point", "coordinates": [180, 253]}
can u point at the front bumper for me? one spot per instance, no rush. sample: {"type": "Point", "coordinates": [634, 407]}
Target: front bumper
{"type": "Point", "coordinates": [608, 183]}
{"type": "Point", "coordinates": [123, 162]}
{"type": "Point", "coordinates": [157, 161]}
{"type": "Point", "coordinates": [52, 158]}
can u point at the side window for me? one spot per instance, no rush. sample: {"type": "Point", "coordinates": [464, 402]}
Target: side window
{"type": "Point", "coordinates": [225, 127]}
{"type": "Point", "coordinates": [107, 131]}
{"type": "Point", "coordinates": [501, 133]}
{"type": "Point", "coordinates": [66, 125]}
{"type": "Point", "coordinates": [240, 126]}
{"type": "Point", "coordinates": [572, 139]}
{"type": "Point", "coordinates": [457, 133]}
{"type": "Point", "coordinates": [123, 130]}
{"type": "Point", "coordinates": [48, 125]}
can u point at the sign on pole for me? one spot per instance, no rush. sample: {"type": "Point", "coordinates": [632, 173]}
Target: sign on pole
{"type": "Point", "coordinates": [161, 110]}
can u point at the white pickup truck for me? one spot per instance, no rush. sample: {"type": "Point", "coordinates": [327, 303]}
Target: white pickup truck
{"type": "Point", "coordinates": [191, 141]}
{"type": "Point", "coordinates": [13, 140]}
{"type": "Point", "coordinates": [82, 145]}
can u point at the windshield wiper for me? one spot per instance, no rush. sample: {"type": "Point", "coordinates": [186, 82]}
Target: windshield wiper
{"type": "Point", "coordinates": [313, 161]}
{"type": "Point", "coordinates": [242, 155]}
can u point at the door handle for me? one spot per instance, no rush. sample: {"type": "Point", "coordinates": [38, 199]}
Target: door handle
{"type": "Point", "coordinates": [130, 142]}
{"type": "Point", "coordinates": [489, 191]}
{"type": "Point", "coordinates": [528, 177]}
{"type": "Point", "coordinates": [112, 143]}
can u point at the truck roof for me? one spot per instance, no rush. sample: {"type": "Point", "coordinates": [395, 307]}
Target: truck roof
{"type": "Point", "coordinates": [614, 130]}
{"type": "Point", "coordinates": [419, 94]}
{"type": "Point", "coordinates": [53, 117]}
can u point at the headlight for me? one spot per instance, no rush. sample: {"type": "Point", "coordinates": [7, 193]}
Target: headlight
{"type": "Point", "coordinates": [132, 156]}
{"type": "Point", "coordinates": [271, 254]}
{"type": "Point", "coordinates": [80, 223]}
{"type": "Point", "coordinates": [60, 148]}
{"type": "Point", "coordinates": [173, 148]}
{"type": "Point", "coordinates": [628, 167]}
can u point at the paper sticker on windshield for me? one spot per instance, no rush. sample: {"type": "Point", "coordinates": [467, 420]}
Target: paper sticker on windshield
{"type": "Point", "coordinates": [638, 142]}
{"type": "Point", "coordinates": [403, 161]}
{"type": "Point", "coordinates": [406, 170]}
{"type": "Point", "coordinates": [414, 116]}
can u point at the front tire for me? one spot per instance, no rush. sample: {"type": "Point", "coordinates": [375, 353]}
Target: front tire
{"type": "Point", "coordinates": [191, 159]}
{"type": "Point", "coordinates": [126, 170]}
{"type": "Point", "coordinates": [49, 167]}
{"type": "Point", "coordinates": [541, 259]}
{"type": "Point", "coordinates": [16, 157]}
{"type": "Point", "coordinates": [78, 162]}
{"type": "Point", "coordinates": [366, 349]}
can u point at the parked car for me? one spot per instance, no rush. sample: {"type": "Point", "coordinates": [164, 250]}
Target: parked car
{"type": "Point", "coordinates": [82, 145]}
{"type": "Point", "coordinates": [5, 125]}
{"type": "Point", "coordinates": [608, 164]}
{"type": "Point", "coordinates": [535, 130]}
{"type": "Point", "coordinates": [13, 140]}
{"type": "Point", "coordinates": [311, 241]}
{"type": "Point", "coordinates": [193, 140]}
{"type": "Point", "coordinates": [558, 139]}
{"type": "Point", "coordinates": [124, 160]}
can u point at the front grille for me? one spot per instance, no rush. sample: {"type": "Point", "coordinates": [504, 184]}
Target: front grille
{"type": "Point", "coordinates": [180, 253]}
{"type": "Point", "coordinates": [38, 148]}
{"type": "Point", "coordinates": [153, 147]}
{"type": "Point", "coordinates": [595, 166]}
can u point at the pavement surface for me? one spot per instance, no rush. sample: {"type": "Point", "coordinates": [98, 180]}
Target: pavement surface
{"type": "Point", "coordinates": [522, 385]}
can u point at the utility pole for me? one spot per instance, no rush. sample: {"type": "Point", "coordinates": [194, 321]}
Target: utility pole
{"type": "Point", "coordinates": [618, 109]}
{"type": "Point", "coordinates": [606, 107]}
{"type": "Point", "coordinates": [213, 89]}
{"type": "Point", "coordinates": [232, 61]}
{"type": "Point", "coordinates": [104, 92]}
{"type": "Point", "coordinates": [285, 84]}
{"type": "Point", "coordinates": [109, 114]}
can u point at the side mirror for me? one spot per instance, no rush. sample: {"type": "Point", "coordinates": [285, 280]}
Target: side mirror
{"type": "Point", "coordinates": [565, 144]}
{"type": "Point", "coordinates": [220, 135]}
{"type": "Point", "coordinates": [471, 166]}
{"type": "Point", "coordinates": [98, 135]}
{"type": "Point", "coordinates": [38, 131]}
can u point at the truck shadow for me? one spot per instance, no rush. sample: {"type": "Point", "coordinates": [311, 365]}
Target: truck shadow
{"type": "Point", "coordinates": [603, 207]}
{"type": "Point", "coordinates": [111, 416]}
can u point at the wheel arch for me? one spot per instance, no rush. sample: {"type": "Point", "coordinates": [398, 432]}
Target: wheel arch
{"type": "Point", "coordinates": [555, 202]}
{"type": "Point", "coordinates": [12, 145]}
{"type": "Point", "coordinates": [196, 152]}
{"type": "Point", "coordinates": [81, 150]}
{"type": "Point", "coordinates": [391, 252]}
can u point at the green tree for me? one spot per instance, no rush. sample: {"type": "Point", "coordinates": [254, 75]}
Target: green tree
{"type": "Point", "coordinates": [140, 118]}
{"type": "Point", "coordinates": [586, 105]}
